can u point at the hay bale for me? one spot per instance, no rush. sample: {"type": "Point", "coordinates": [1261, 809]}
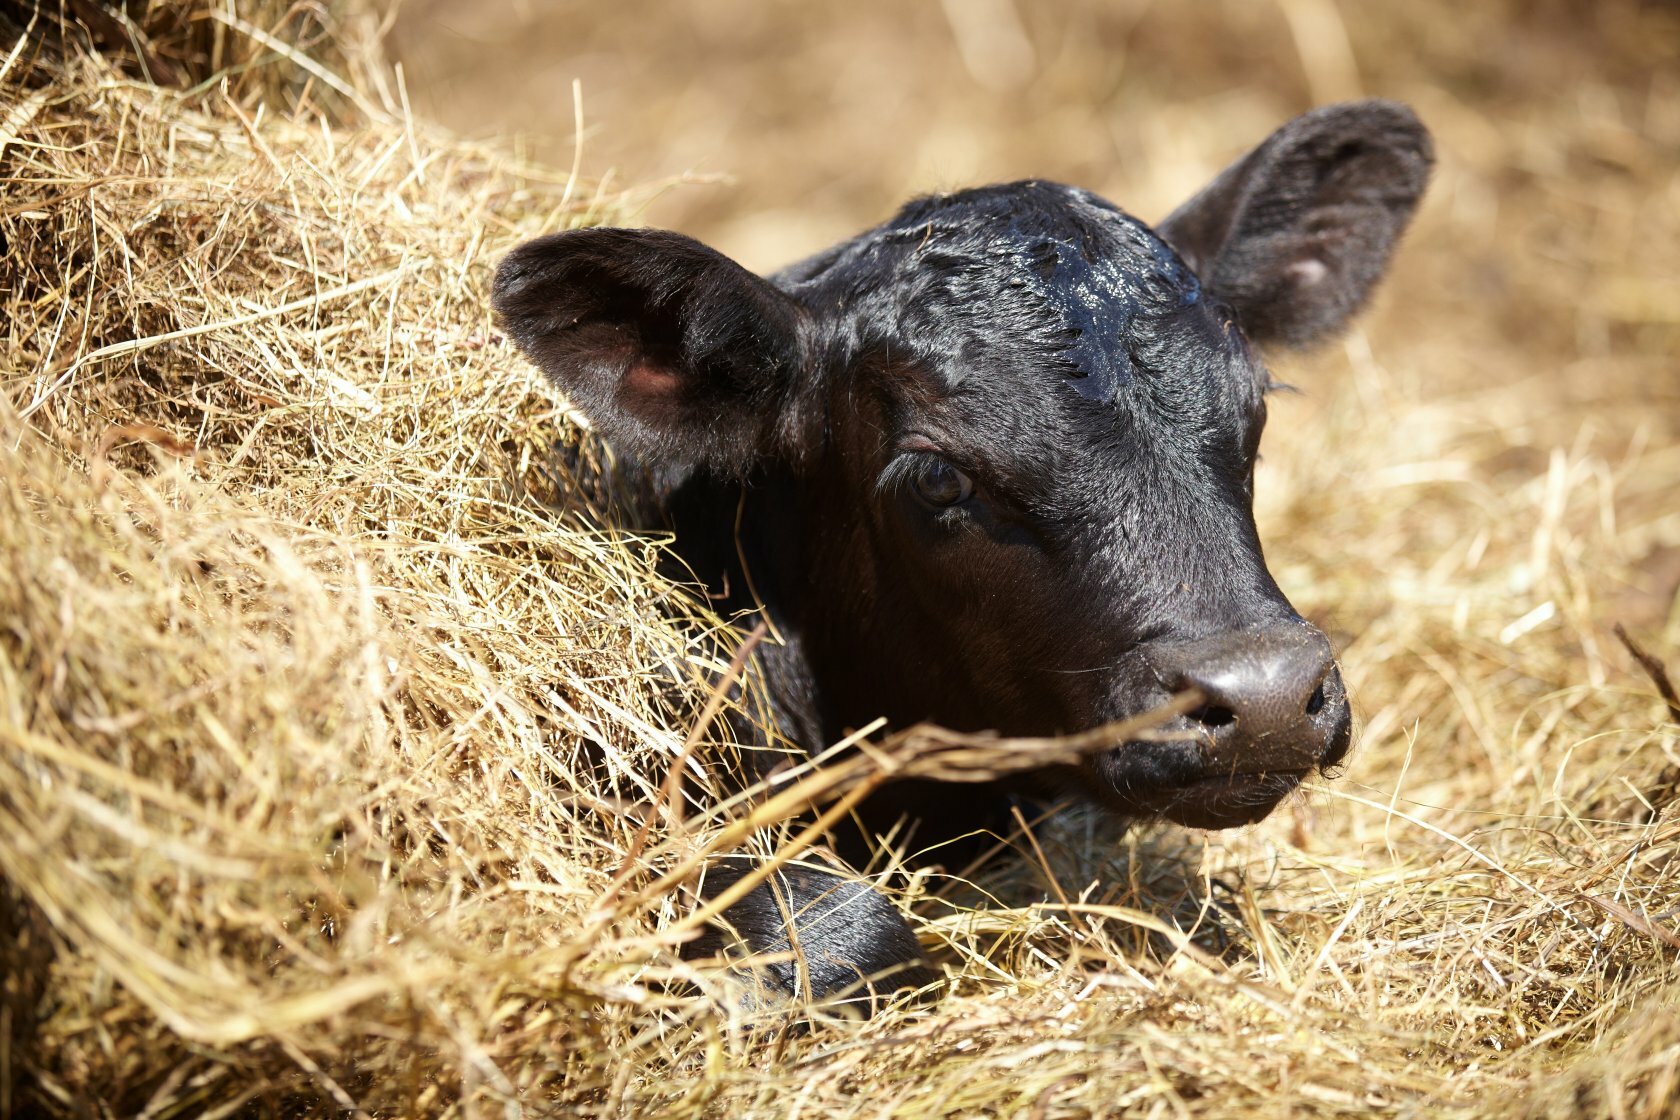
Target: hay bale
{"type": "Point", "coordinates": [329, 712]}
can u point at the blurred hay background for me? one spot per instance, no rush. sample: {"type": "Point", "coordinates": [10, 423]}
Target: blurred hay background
{"type": "Point", "coordinates": [330, 711]}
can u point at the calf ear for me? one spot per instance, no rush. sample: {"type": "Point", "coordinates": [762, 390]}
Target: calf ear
{"type": "Point", "coordinates": [1296, 234]}
{"type": "Point", "coordinates": [674, 352]}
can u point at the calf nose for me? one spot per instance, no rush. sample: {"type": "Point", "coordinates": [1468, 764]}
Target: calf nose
{"type": "Point", "coordinates": [1273, 697]}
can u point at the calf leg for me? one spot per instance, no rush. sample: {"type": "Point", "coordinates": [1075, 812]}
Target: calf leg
{"type": "Point", "coordinates": [808, 934]}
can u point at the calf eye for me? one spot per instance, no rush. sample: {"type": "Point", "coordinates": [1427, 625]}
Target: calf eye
{"type": "Point", "coordinates": [938, 483]}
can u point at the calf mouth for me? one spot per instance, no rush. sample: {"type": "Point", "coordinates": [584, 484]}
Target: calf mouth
{"type": "Point", "coordinates": [1217, 778]}
{"type": "Point", "coordinates": [1222, 801]}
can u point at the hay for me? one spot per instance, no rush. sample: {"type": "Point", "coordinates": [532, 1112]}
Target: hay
{"type": "Point", "coordinates": [329, 713]}
{"type": "Point", "coordinates": [299, 671]}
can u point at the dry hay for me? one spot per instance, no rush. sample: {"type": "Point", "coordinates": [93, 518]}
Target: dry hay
{"type": "Point", "coordinates": [328, 713]}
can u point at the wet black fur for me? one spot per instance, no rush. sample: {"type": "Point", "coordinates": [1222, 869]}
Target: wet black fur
{"type": "Point", "coordinates": [1092, 376]}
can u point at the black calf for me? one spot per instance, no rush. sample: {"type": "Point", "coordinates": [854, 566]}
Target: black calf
{"type": "Point", "coordinates": [993, 466]}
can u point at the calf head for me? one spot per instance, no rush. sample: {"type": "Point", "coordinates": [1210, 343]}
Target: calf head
{"type": "Point", "coordinates": [1016, 431]}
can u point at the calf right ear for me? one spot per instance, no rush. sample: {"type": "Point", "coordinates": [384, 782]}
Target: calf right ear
{"type": "Point", "coordinates": [675, 353]}
{"type": "Point", "coordinates": [1295, 235]}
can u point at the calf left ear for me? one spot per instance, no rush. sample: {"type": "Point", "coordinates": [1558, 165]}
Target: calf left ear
{"type": "Point", "coordinates": [1296, 234]}
{"type": "Point", "coordinates": [674, 352]}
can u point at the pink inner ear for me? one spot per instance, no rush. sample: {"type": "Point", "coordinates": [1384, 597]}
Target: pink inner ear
{"type": "Point", "coordinates": [651, 382]}
{"type": "Point", "coordinates": [1309, 271]}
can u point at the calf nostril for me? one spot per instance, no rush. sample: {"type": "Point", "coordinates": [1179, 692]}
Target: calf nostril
{"type": "Point", "coordinates": [1213, 715]}
{"type": "Point", "coordinates": [1315, 702]}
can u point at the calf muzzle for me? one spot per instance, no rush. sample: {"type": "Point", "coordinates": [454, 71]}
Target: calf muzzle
{"type": "Point", "coordinates": [1273, 711]}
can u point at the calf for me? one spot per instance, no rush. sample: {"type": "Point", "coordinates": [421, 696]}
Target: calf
{"type": "Point", "coordinates": [991, 464]}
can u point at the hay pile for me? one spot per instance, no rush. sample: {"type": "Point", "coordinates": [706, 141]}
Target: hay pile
{"type": "Point", "coordinates": [329, 713]}
{"type": "Point", "coordinates": [300, 673]}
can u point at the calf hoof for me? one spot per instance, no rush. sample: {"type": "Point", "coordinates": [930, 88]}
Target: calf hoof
{"type": "Point", "coordinates": [810, 936]}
